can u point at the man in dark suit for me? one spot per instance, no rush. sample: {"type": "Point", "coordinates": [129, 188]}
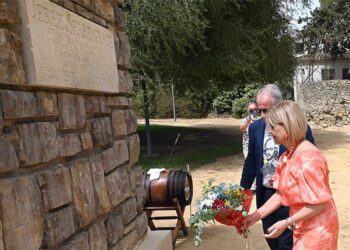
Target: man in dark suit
{"type": "Point", "coordinates": [261, 163]}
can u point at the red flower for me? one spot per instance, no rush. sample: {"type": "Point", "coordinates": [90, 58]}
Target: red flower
{"type": "Point", "coordinates": [218, 204]}
{"type": "Point", "coordinates": [231, 217]}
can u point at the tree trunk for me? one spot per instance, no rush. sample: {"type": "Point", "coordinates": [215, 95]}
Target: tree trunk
{"type": "Point", "coordinates": [173, 98]}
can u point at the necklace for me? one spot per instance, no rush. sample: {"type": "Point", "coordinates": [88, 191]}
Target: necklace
{"type": "Point", "coordinates": [289, 154]}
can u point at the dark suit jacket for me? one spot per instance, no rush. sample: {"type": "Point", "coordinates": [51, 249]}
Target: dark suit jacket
{"type": "Point", "coordinates": [254, 162]}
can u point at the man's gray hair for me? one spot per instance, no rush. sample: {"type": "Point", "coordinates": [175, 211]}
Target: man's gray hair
{"type": "Point", "coordinates": [273, 90]}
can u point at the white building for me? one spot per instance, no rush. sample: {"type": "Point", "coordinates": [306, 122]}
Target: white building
{"type": "Point", "coordinates": [319, 68]}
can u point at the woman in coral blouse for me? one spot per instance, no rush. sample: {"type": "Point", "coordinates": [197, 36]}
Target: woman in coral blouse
{"type": "Point", "coordinates": [302, 184]}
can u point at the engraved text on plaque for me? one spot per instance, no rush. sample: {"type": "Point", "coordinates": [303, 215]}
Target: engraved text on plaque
{"type": "Point", "coordinates": [63, 49]}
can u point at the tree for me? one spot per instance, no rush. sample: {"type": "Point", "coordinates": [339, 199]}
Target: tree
{"type": "Point", "coordinates": [327, 30]}
{"type": "Point", "coordinates": [247, 41]}
{"type": "Point", "coordinates": [325, 3]}
{"type": "Point", "coordinates": [196, 44]}
{"type": "Point", "coordinates": [160, 32]}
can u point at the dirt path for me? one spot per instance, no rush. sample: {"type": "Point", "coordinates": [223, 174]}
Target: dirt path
{"type": "Point", "coordinates": [334, 143]}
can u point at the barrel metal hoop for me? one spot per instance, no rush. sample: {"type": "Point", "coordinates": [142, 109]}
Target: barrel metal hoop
{"type": "Point", "coordinates": [189, 176]}
{"type": "Point", "coordinates": [175, 182]}
{"type": "Point", "coordinates": [181, 191]}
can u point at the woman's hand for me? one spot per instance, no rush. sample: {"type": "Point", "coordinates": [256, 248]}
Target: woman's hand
{"type": "Point", "coordinates": [251, 219]}
{"type": "Point", "coordinates": [276, 229]}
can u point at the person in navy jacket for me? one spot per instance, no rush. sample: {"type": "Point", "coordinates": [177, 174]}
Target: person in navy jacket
{"type": "Point", "coordinates": [261, 163]}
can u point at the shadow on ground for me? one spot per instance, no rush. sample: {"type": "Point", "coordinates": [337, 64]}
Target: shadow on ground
{"type": "Point", "coordinates": [191, 139]}
{"type": "Point", "coordinates": [225, 238]}
{"type": "Point", "coordinates": [201, 136]}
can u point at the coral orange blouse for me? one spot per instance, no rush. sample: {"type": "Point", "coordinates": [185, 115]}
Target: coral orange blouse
{"type": "Point", "coordinates": [303, 180]}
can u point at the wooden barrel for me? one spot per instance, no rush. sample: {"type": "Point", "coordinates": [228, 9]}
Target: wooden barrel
{"type": "Point", "coordinates": [171, 184]}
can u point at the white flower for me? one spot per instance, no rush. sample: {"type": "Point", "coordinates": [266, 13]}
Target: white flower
{"type": "Point", "coordinates": [212, 196]}
{"type": "Point", "coordinates": [239, 208]}
{"type": "Point", "coordinates": [208, 202]}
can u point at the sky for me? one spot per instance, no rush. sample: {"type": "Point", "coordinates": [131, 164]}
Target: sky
{"type": "Point", "coordinates": [303, 12]}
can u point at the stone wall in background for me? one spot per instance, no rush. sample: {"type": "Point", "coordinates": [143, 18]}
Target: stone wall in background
{"type": "Point", "coordinates": [68, 178]}
{"type": "Point", "coordinates": [326, 103]}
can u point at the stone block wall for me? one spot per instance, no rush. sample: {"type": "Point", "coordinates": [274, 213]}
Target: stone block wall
{"type": "Point", "coordinates": [68, 178]}
{"type": "Point", "coordinates": [326, 103]}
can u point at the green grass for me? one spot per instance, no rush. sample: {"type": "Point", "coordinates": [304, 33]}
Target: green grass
{"type": "Point", "coordinates": [194, 159]}
{"type": "Point", "coordinates": [197, 146]}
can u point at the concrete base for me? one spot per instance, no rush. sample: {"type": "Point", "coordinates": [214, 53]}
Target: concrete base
{"type": "Point", "coordinates": [156, 240]}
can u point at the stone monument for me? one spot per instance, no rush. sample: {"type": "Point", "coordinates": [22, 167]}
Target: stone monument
{"type": "Point", "coordinates": [68, 140]}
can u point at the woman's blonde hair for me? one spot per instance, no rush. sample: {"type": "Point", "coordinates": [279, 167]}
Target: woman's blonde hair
{"type": "Point", "coordinates": [291, 117]}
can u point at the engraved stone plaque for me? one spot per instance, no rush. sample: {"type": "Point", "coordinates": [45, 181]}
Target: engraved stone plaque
{"type": "Point", "coordinates": [62, 49]}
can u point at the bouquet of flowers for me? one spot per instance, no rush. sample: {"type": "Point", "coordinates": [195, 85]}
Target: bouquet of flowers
{"type": "Point", "coordinates": [226, 203]}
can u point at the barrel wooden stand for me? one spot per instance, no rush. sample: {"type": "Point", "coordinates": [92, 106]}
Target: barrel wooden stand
{"type": "Point", "coordinates": [180, 223]}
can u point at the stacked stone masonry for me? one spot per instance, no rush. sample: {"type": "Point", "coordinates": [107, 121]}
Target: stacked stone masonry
{"type": "Point", "coordinates": [326, 103]}
{"type": "Point", "coordinates": [68, 178]}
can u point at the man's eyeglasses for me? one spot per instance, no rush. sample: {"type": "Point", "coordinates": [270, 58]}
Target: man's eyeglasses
{"type": "Point", "coordinates": [265, 111]}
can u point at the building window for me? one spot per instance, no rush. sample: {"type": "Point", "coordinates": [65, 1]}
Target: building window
{"type": "Point", "coordinates": [346, 74]}
{"type": "Point", "coordinates": [328, 74]}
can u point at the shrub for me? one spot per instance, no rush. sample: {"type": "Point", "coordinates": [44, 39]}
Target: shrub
{"type": "Point", "coordinates": [239, 106]}
{"type": "Point", "coordinates": [235, 102]}
{"type": "Point", "coordinates": [190, 104]}
{"type": "Point", "coordinates": [222, 104]}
